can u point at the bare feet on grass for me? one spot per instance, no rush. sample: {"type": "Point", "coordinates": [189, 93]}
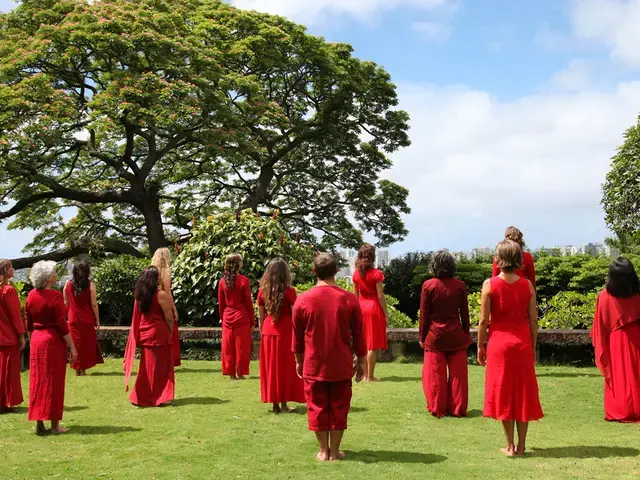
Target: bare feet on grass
{"type": "Point", "coordinates": [322, 456]}
{"type": "Point", "coordinates": [509, 451]}
{"type": "Point", "coordinates": [337, 457]}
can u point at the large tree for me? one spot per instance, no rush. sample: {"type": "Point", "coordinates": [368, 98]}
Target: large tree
{"type": "Point", "coordinates": [123, 120]}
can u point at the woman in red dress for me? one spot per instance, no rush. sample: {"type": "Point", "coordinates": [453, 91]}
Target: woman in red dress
{"type": "Point", "coordinates": [367, 283]}
{"type": "Point", "coordinates": [46, 317]}
{"type": "Point", "coordinates": [162, 261]}
{"type": "Point", "coordinates": [511, 386]}
{"type": "Point", "coordinates": [12, 341]}
{"type": "Point", "coordinates": [279, 382]}
{"type": "Point", "coordinates": [616, 339]}
{"type": "Point", "coordinates": [151, 329]}
{"type": "Point", "coordinates": [528, 269]}
{"type": "Point", "coordinates": [444, 336]}
{"type": "Point", "coordinates": [238, 318]}
{"type": "Point", "coordinates": [84, 318]}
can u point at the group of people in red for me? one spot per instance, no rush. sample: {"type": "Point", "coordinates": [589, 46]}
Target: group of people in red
{"type": "Point", "coordinates": [309, 342]}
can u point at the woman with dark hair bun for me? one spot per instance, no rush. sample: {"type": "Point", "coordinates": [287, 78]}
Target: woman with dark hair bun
{"type": "Point", "coordinates": [84, 317]}
{"type": "Point", "coordinates": [444, 336]}
{"type": "Point", "coordinates": [151, 330]}
{"type": "Point", "coordinates": [616, 340]}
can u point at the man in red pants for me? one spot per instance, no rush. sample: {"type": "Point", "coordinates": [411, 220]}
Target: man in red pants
{"type": "Point", "coordinates": [327, 330]}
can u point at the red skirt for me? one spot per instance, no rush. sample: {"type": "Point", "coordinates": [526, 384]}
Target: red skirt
{"type": "Point", "coordinates": [175, 346]}
{"type": "Point", "coordinates": [622, 397]}
{"type": "Point", "coordinates": [10, 386]}
{"type": "Point", "coordinates": [374, 324]}
{"type": "Point", "coordinates": [279, 381]}
{"type": "Point", "coordinates": [511, 386]}
{"type": "Point", "coordinates": [86, 342]}
{"type": "Point", "coordinates": [47, 374]}
{"type": "Point", "coordinates": [155, 381]}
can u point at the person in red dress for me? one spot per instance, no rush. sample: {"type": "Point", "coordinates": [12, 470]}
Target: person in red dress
{"type": "Point", "coordinates": [84, 317]}
{"type": "Point", "coordinates": [46, 317]}
{"type": "Point", "coordinates": [511, 387]}
{"type": "Point", "coordinates": [12, 341]}
{"type": "Point", "coordinates": [528, 269]}
{"type": "Point", "coordinates": [444, 336]}
{"type": "Point", "coordinates": [279, 382]}
{"type": "Point", "coordinates": [162, 261]}
{"type": "Point", "coordinates": [367, 284]}
{"type": "Point", "coordinates": [151, 330]}
{"type": "Point", "coordinates": [238, 319]}
{"type": "Point", "coordinates": [616, 340]}
{"type": "Point", "coordinates": [327, 331]}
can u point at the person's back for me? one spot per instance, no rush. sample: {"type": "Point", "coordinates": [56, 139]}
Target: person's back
{"type": "Point", "coordinates": [79, 305]}
{"type": "Point", "coordinates": [367, 283]}
{"type": "Point", "coordinates": [510, 306]}
{"type": "Point", "coordinates": [447, 314]}
{"type": "Point", "coordinates": [236, 307]}
{"type": "Point", "coordinates": [153, 329]}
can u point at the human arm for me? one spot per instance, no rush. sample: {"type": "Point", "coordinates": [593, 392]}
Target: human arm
{"type": "Point", "coordinates": [166, 286]}
{"type": "Point", "coordinates": [60, 314]}
{"type": "Point", "coordinates": [222, 303]}
{"type": "Point", "coordinates": [464, 311]}
{"type": "Point", "coordinates": [483, 324]}
{"type": "Point", "coordinates": [495, 269]}
{"type": "Point", "coordinates": [248, 304]}
{"type": "Point", "coordinates": [299, 323]}
{"type": "Point", "coordinates": [383, 301]}
{"type": "Point", "coordinates": [533, 317]}
{"type": "Point", "coordinates": [94, 305]}
{"type": "Point", "coordinates": [164, 299]}
{"type": "Point", "coordinates": [262, 312]}
{"type": "Point", "coordinates": [358, 343]}
{"type": "Point", "coordinates": [531, 274]}
{"type": "Point", "coordinates": [425, 321]}
{"type": "Point", "coordinates": [355, 290]}
{"type": "Point", "coordinates": [64, 295]}
{"type": "Point", "coordinates": [12, 303]}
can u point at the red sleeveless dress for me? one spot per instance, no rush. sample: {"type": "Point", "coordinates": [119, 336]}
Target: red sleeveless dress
{"type": "Point", "coordinates": [82, 329]}
{"type": "Point", "coordinates": [373, 321]}
{"type": "Point", "coordinates": [511, 386]}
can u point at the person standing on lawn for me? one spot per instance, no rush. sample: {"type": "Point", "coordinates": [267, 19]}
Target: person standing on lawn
{"type": "Point", "coordinates": [162, 261]}
{"type": "Point", "coordinates": [511, 386]}
{"type": "Point", "coordinates": [151, 330]}
{"type": "Point", "coordinates": [444, 336]}
{"type": "Point", "coordinates": [84, 317]}
{"type": "Point", "coordinates": [327, 331]}
{"type": "Point", "coordinates": [616, 340]}
{"type": "Point", "coordinates": [12, 341]}
{"type": "Point", "coordinates": [238, 319]}
{"type": "Point", "coordinates": [279, 382]}
{"type": "Point", "coordinates": [367, 284]}
{"type": "Point", "coordinates": [527, 269]}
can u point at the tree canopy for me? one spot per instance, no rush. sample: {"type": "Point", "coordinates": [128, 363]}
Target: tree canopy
{"type": "Point", "coordinates": [121, 121]}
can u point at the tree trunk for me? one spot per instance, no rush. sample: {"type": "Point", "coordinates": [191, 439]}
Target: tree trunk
{"type": "Point", "coordinates": [153, 222]}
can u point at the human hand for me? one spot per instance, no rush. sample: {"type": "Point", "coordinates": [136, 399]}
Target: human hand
{"type": "Point", "coordinates": [299, 369]}
{"type": "Point", "coordinates": [23, 342]}
{"type": "Point", "coordinates": [97, 326]}
{"type": "Point", "coordinates": [74, 354]}
{"type": "Point", "coordinates": [359, 371]}
{"type": "Point", "coordinates": [421, 345]}
{"type": "Point", "coordinates": [482, 356]}
{"type": "Point", "coordinates": [386, 317]}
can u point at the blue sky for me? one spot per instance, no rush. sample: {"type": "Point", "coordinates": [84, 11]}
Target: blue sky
{"type": "Point", "coordinates": [517, 107]}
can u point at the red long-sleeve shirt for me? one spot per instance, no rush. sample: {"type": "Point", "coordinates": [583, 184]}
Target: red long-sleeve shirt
{"type": "Point", "coordinates": [327, 330]}
{"type": "Point", "coordinates": [527, 271]}
{"type": "Point", "coordinates": [45, 309]}
{"type": "Point", "coordinates": [444, 315]}
{"type": "Point", "coordinates": [11, 325]}
{"type": "Point", "coordinates": [236, 305]}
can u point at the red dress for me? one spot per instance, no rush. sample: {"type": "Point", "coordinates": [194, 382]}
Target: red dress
{"type": "Point", "coordinates": [373, 321]}
{"type": "Point", "coordinates": [46, 316]}
{"type": "Point", "coordinates": [155, 382]}
{"type": "Point", "coordinates": [527, 271]}
{"type": "Point", "coordinates": [511, 386]}
{"type": "Point", "coordinates": [444, 332]}
{"type": "Point", "coordinates": [616, 339]}
{"type": "Point", "coordinates": [11, 329]}
{"type": "Point", "coordinates": [82, 328]}
{"type": "Point", "coordinates": [238, 318]}
{"type": "Point", "coordinates": [279, 381]}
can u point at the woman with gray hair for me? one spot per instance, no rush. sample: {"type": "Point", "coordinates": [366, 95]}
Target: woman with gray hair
{"type": "Point", "coordinates": [46, 317]}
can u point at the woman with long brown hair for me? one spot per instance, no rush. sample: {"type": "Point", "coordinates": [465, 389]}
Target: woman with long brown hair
{"type": "Point", "coordinates": [279, 382]}
{"type": "Point", "coordinates": [162, 261]}
{"type": "Point", "coordinates": [84, 317]}
{"type": "Point", "coordinates": [12, 341]}
{"type": "Point", "coordinates": [367, 283]}
{"type": "Point", "coordinates": [151, 329]}
{"type": "Point", "coordinates": [238, 318]}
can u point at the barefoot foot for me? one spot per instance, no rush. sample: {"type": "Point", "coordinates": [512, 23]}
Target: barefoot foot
{"type": "Point", "coordinates": [339, 456]}
{"type": "Point", "coordinates": [509, 452]}
{"type": "Point", "coordinates": [322, 456]}
{"type": "Point", "coordinates": [241, 377]}
{"type": "Point", "coordinates": [277, 409]}
{"type": "Point", "coordinates": [58, 430]}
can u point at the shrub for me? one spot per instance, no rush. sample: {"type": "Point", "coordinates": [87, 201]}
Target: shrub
{"type": "Point", "coordinates": [200, 265]}
{"type": "Point", "coordinates": [115, 280]}
{"type": "Point", "coordinates": [568, 310]}
{"type": "Point", "coordinates": [474, 309]}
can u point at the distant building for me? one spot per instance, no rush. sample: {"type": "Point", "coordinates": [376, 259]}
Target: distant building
{"type": "Point", "coordinates": [567, 250]}
{"type": "Point", "coordinates": [350, 256]}
{"type": "Point", "coordinates": [478, 252]}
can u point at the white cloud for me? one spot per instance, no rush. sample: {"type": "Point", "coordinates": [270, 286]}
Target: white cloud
{"type": "Point", "coordinates": [434, 31]}
{"type": "Point", "coordinates": [478, 163]}
{"type": "Point", "coordinates": [314, 11]}
{"type": "Point", "coordinates": [577, 76]}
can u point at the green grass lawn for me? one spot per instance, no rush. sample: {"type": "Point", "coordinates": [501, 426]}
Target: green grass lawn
{"type": "Point", "coordinates": [219, 429]}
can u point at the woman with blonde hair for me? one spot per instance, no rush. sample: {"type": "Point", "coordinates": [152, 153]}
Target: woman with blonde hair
{"type": "Point", "coordinates": [279, 382]}
{"type": "Point", "coordinates": [238, 318]}
{"type": "Point", "coordinates": [46, 317]}
{"type": "Point", "coordinates": [508, 309]}
{"type": "Point", "coordinates": [12, 341]}
{"type": "Point", "coordinates": [527, 269]}
{"type": "Point", "coordinates": [367, 284]}
{"type": "Point", "coordinates": [162, 261]}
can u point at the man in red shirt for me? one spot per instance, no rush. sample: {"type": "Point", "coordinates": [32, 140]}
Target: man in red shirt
{"type": "Point", "coordinates": [327, 331]}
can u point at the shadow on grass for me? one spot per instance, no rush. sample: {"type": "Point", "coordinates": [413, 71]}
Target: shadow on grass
{"type": "Point", "coordinates": [105, 374]}
{"type": "Point", "coordinates": [100, 430]}
{"type": "Point", "coordinates": [385, 456]}
{"type": "Point", "coordinates": [197, 370]}
{"type": "Point", "coordinates": [77, 408]}
{"type": "Point", "coordinates": [474, 413]}
{"type": "Point", "coordinates": [358, 409]}
{"type": "Point", "coordinates": [401, 379]}
{"type": "Point", "coordinates": [568, 375]}
{"type": "Point", "coordinates": [585, 451]}
{"type": "Point", "coordinates": [181, 402]}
